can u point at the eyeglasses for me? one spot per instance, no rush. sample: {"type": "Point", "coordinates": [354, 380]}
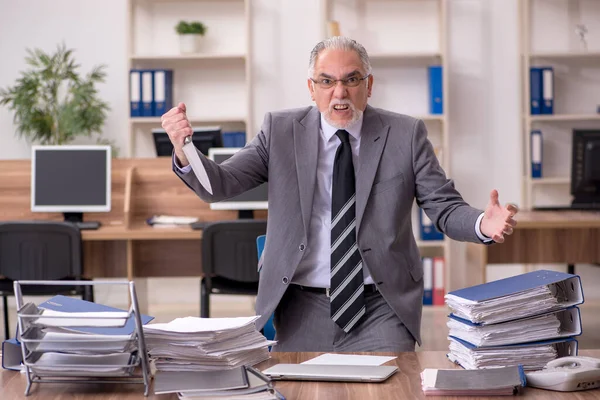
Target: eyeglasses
{"type": "Point", "coordinates": [326, 83]}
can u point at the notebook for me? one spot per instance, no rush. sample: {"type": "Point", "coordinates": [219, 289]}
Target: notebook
{"type": "Point", "coordinates": [338, 373]}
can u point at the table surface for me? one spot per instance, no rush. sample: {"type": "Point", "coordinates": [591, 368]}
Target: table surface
{"type": "Point", "coordinates": [405, 384]}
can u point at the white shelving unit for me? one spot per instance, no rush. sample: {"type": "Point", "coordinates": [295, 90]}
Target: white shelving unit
{"type": "Point", "coordinates": [215, 83]}
{"type": "Point", "coordinates": [548, 38]}
{"type": "Point", "coordinates": [403, 38]}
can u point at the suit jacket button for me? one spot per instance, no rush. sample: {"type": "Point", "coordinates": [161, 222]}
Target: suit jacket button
{"type": "Point", "coordinates": [302, 247]}
{"type": "Point", "coordinates": [285, 280]}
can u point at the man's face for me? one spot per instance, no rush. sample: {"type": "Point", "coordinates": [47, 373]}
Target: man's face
{"type": "Point", "coordinates": [340, 104]}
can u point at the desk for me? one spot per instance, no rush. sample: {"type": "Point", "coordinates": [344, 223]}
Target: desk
{"type": "Point", "coordinates": [405, 384]}
{"type": "Point", "coordinates": [567, 237]}
{"type": "Point", "coordinates": [125, 246]}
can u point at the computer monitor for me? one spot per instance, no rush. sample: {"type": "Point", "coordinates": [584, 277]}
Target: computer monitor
{"type": "Point", "coordinates": [71, 179]}
{"type": "Point", "coordinates": [245, 203]}
{"type": "Point", "coordinates": [585, 167]}
{"type": "Point", "coordinates": [203, 138]}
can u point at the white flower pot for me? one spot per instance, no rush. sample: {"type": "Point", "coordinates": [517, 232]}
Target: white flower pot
{"type": "Point", "coordinates": [190, 43]}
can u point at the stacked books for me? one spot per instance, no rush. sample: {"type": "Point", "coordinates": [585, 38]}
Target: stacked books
{"type": "Point", "coordinates": [485, 382]}
{"type": "Point", "coordinates": [528, 319]}
{"type": "Point", "coordinates": [205, 344]}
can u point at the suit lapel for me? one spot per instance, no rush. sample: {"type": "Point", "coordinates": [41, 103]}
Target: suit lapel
{"type": "Point", "coordinates": [372, 141]}
{"type": "Point", "coordinates": [306, 145]}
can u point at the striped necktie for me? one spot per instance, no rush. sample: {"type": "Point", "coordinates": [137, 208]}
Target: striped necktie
{"type": "Point", "coordinates": [346, 290]}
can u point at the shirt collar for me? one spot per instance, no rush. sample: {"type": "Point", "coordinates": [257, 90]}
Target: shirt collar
{"type": "Point", "coordinates": [329, 131]}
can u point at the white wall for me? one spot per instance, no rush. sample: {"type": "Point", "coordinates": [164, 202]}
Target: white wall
{"type": "Point", "coordinates": [484, 76]}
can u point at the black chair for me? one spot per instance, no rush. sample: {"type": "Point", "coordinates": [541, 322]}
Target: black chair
{"type": "Point", "coordinates": [229, 259]}
{"type": "Point", "coordinates": [40, 250]}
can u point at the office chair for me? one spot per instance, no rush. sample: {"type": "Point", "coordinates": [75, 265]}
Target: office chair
{"type": "Point", "coordinates": [40, 250]}
{"type": "Point", "coordinates": [269, 329]}
{"type": "Point", "coordinates": [229, 259]}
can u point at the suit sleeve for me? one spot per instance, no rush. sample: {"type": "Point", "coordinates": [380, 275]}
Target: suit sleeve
{"type": "Point", "coordinates": [436, 194]}
{"type": "Point", "coordinates": [243, 171]}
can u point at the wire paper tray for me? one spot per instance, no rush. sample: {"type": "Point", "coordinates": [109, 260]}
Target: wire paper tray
{"type": "Point", "coordinates": [54, 350]}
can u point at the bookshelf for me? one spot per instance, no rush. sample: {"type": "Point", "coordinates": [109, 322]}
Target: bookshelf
{"type": "Point", "coordinates": [549, 38]}
{"type": "Point", "coordinates": [403, 38]}
{"type": "Point", "coordinates": [215, 83]}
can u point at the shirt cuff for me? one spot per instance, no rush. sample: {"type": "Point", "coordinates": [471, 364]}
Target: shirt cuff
{"type": "Point", "coordinates": [183, 170]}
{"type": "Point", "coordinates": [480, 235]}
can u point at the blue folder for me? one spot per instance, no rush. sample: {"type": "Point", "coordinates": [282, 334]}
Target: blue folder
{"type": "Point", "coordinates": [565, 346]}
{"type": "Point", "coordinates": [72, 304]}
{"type": "Point", "coordinates": [535, 87]}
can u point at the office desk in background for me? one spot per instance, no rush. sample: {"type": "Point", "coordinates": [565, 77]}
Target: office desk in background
{"type": "Point", "coordinates": [405, 384]}
{"type": "Point", "coordinates": [125, 246]}
{"type": "Point", "coordinates": [566, 237]}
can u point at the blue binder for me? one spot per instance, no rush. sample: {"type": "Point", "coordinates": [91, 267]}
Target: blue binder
{"type": "Point", "coordinates": [163, 91]}
{"type": "Point", "coordinates": [537, 153]}
{"type": "Point", "coordinates": [12, 357]}
{"type": "Point", "coordinates": [147, 93]}
{"type": "Point", "coordinates": [565, 287]}
{"type": "Point", "coordinates": [135, 93]}
{"type": "Point", "coordinates": [428, 229]}
{"type": "Point", "coordinates": [535, 85]}
{"type": "Point", "coordinates": [436, 89]}
{"type": "Point", "coordinates": [547, 90]}
{"type": "Point", "coordinates": [71, 304]}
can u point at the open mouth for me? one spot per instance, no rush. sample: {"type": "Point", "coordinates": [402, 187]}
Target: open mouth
{"type": "Point", "coordinates": [341, 107]}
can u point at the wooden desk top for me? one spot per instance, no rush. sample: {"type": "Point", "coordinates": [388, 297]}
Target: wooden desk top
{"type": "Point", "coordinates": [558, 219]}
{"type": "Point", "coordinates": [405, 384]}
{"type": "Point", "coordinates": [140, 231]}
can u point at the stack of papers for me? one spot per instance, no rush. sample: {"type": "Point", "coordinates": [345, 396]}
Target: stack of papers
{"type": "Point", "coordinates": [456, 382]}
{"type": "Point", "coordinates": [170, 221]}
{"type": "Point", "coordinates": [528, 320]}
{"type": "Point", "coordinates": [205, 344]}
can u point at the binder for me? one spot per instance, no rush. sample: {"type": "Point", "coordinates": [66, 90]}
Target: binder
{"type": "Point", "coordinates": [72, 304]}
{"type": "Point", "coordinates": [536, 147]}
{"type": "Point", "coordinates": [428, 230]}
{"type": "Point", "coordinates": [439, 265]}
{"type": "Point", "coordinates": [427, 281]}
{"type": "Point", "coordinates": [436, 95]}
{"type": "Point", "coordinates": [512, 332]}
{"type": "Point", "coordinates": [564, 290]}
{"type": "Point", "coordinates": [163, 91]}
{"type": "Point", "coordinates": [135, 93]}
{"type": "Point", "coordinates": [11, 355]}
{"type": "Point", "coordinates": [496, 356]}
{"type": "Point", "coordinates": [147, 93]}
{"type": "Point", "coordinates": [535, 87]}
{"type": "Point", "coordinates": [547, 90]}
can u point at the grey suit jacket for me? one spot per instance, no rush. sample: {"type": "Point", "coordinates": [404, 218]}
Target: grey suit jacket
{"type": "Point", "coordinates": [397, 165]}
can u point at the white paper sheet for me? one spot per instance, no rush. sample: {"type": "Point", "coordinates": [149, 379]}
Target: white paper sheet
{"type": "Point", "coordinates": [348, 359]}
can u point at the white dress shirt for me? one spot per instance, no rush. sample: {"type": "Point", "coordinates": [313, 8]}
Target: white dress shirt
{"type": "Point", "coordinates": [314, 268]}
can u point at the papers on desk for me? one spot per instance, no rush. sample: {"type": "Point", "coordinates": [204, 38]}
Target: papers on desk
{"type": "Point", "coordinates": [170, 221]}
{"type": "Point", "coordinates": [456, 382]}
{"type": "Point", "coordinates": [204, 344]}
{"type": "Point", "coordinates": [528, 319]}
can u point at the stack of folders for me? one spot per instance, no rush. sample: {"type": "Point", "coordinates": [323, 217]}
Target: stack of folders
{"type": "Point", "coordinates": [205, 344]}
{"type": "Point", "coordinates": [486, 382]}
{"type": "Point", "coordinates": [528, 319]}
{"type": "Point", "coordinates": [241, 383]}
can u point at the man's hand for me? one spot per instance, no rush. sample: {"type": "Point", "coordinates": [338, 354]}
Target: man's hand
{"type": "Point", "coordinates": [498, 221]}
{"type": "Point", "coordinates": [177, 126]}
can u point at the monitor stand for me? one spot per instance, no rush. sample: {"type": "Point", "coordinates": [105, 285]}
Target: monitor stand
{"type": "Point", "coordinates": [77, 219]}
{"type": "Point", "coordinates": [246, 214]}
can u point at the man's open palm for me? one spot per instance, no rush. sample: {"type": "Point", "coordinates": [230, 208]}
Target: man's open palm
{"type": "Point", "coordinates": [498, 220]}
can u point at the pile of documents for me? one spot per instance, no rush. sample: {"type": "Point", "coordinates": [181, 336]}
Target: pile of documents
{"type": "Point", "coordinates": [527, 320]}
{"type": "Point", "coordinates": [486, 382]}
{"type": "Point", "coordinates": [205, 344]}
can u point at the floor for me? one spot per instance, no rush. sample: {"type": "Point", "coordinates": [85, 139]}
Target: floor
{"type": "Point", "coordinates": [172, 298]}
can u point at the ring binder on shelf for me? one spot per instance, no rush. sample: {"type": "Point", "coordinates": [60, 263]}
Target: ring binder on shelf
{"type": "Point", "coordinates": [59, 353]}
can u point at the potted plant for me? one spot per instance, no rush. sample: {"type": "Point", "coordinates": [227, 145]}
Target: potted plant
{"type": "Point", "coordinates": [53, 104]}
{"type": "Point", "coordinates": [190, 34]}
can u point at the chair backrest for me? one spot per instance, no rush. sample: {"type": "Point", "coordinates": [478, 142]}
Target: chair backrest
{"type": "Point", "coordinates": [40, 250]}
{"type": "Point", "coordinates": [229, 249]}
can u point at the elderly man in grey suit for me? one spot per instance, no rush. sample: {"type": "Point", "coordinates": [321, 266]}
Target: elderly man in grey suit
{"type": "Point", "coordinates": [341, 268]}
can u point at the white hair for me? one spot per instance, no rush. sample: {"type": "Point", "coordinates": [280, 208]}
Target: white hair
{"type": "Point", "coordinates": [339, 43]}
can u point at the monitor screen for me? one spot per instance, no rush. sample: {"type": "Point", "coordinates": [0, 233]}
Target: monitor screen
{"type": "Point", "coordinates": [203, 138]}
{"type": "Point", "coordinates": [585, 166]}
{"type": "Point", "coordinates": [70, 178]}
{"type": "Point", "coordinates": [253, 199]}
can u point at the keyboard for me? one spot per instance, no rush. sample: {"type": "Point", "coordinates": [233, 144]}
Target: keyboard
{"type": "Point", "coordinates": [88, 225]}
{"type": "Point", "coordinates": [199, 225]}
